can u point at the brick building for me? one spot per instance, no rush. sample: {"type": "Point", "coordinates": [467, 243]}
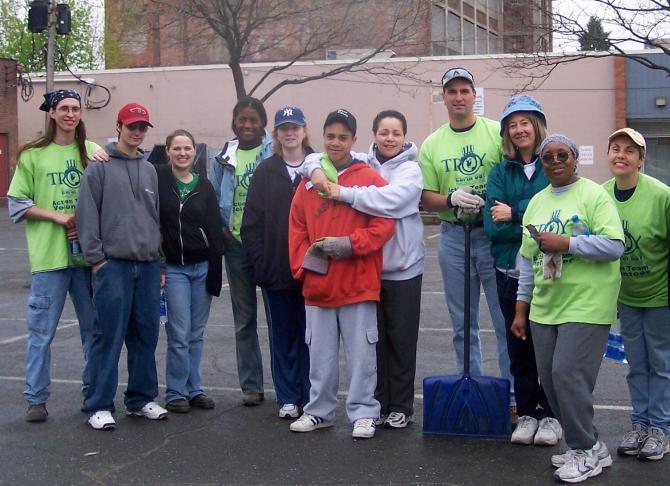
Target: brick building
{"type": "Point", "coordinates": [9, 127]}
{"type": "Point", "coordinates": [148, 33]}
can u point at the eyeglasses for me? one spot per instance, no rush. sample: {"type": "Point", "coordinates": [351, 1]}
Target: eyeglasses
{"type": "Point", "coordinates": [139, 126]}
{"type": "Point", "coordinates": [561, 156]}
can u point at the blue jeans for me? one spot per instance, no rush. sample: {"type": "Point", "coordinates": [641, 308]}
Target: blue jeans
{"type": "Point", "coordinates": [290, 354]}
{"type": "Point", "coordinates": [126, 296]}
{"type": "Point", "coordinates": [240, 273]}
{"type": "Point", "coordinates": [188, 306]}
{"type": "Point", "coordinates": [48, 291]}
{"type": "Point", "coordinates": [646, 339]}
{"type": "Point", "coordinates": [451, 254]}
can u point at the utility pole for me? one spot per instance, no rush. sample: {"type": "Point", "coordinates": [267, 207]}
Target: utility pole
{"type": "Point", "coordinates": [51, 44]}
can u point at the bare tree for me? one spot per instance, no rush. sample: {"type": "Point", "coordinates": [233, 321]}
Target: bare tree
{"type": "Point", "coordinates": [633, 25]}
{"type": "Point", "coordinates": [289, 31]}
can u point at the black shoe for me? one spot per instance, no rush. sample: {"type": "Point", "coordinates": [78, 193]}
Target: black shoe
{"type": "Point", "coordinates": [180, 405]}
{"type": "Point", "coordinates": [202, 401]}
{"type": "Point", "coordinates": [252, 399]}
{"type": "Point", "coordinates": [37, 413]}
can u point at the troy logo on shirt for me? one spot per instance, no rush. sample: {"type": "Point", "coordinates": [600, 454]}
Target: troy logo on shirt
{"type": "Point", "coordinates": [632, 243]}
{"type": "Point", "coordinates": [243, 180]}
{"type": "Point", "coordinates": [71, 176]}
{"type": "Point", "coordinates": [468, 164]}
{"type": "Point", "coordinates": [554, 225]}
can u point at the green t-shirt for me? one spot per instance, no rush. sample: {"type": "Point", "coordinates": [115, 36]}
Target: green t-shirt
{"type": "Point", "coordinates": [246, 164]}
{"type": "Point", "coordinates": [450, 159]}
{"type": "Point", "coordinates": [587, 290]}
{"type": "Point", "coordinates": [50, 177]}
{"type": "Point", "coordinates": [646, 227]}
{"type": "Point", "coordinates": [186, 188]}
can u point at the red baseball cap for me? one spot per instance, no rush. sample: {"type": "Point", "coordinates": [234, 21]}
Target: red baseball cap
{"type": "Point", "coordinates": [132, 113]}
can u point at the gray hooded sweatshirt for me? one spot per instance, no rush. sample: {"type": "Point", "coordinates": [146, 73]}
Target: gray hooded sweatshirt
{"type": "Point", "coordinates": [117, 211]}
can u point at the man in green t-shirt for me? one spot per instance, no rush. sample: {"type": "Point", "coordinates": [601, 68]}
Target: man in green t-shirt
{"type": "Point", "coordinates": [455, 161]}
{"type": "Point", "coordinates": [44, 193]}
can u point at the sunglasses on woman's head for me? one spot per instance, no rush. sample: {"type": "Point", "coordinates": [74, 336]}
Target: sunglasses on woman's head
{"type": "Point", "coordinates": [561, 156]}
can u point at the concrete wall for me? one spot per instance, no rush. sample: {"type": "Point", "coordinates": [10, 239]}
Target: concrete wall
{"type": "Point", "coordinates": [8, 122]}
{"type": "Point", "coordinates": [578, 98]}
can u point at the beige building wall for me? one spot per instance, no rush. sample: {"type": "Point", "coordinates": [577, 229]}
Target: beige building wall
{"type": "Point", "coordinates": [578, 99]}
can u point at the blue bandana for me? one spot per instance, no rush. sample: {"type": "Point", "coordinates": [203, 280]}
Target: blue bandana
{"type": "Point", "coordinates": [565, 140]}
{"type": "Point", "coordinates": [52, 98]}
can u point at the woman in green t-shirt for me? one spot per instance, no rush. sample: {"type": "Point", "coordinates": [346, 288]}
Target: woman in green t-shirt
{"type": "Point", "coordinates": [644, 207]}
{"type": "Point", "coordinates": [570, 272]}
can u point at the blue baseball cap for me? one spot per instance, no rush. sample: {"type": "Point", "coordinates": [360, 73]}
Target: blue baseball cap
{"type": "Point", "coordinates": [290, 114]}
{"type": "Point", "coordinates": [523, 103]}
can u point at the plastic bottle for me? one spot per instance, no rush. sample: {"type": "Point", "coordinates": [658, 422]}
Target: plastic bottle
{"type": "Point", "coordinates": [615, 349]}
{"type": "Point", "coordinates": [163, 308]}
{"type": "Point", "coordinates": [76, 256]}
{"type": "Point", "coordinates": [578, 227]}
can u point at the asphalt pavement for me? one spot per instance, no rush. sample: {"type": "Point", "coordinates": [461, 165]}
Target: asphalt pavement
{"type": "Point", "coordinates": [233, 444]}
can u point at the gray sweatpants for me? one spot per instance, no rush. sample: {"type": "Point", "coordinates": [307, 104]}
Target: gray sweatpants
{"type": "Point", "coordinates": [357, 323]}
{"type": "Point", "coordinates": [568, 360]}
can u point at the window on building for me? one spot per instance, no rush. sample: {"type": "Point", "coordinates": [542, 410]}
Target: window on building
{"type": "Point", "coordinates": [454, 33]}
{"type": "Point", "coordinates": [468, 37]}
{"type": "Point", "coordinates": [438, 32]}
{"type": "Point", "coordinates": [482, 41]}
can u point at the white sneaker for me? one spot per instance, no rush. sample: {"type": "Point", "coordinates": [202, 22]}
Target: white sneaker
{"type": "Point", "coordinates": [525, 430]}
{"type": "Point", "coordinates": [397, 420]}
{"type": "Point", "coordinates": [364, 429]}
{"type": "Point", "coordinates": [308, 423]}
{"type": "Point", "coordinates": [102, 420]}
{"type": "Point", "coordinates": [289, 411]}
{"type": "Point", "coordinates": [549, 432]}
{"type": "Point", "coordinates": [151, 411]}
{"type": "Point", "coordinates": [557, 460]}
{"type": "Point", "coordinates": [580, 466]}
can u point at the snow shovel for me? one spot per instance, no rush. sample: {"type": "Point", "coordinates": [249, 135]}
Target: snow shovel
{"type": "Point", "coordinates": [467, 405]}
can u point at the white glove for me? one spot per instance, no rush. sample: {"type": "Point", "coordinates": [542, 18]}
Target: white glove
{"type": "Point", "coordinates": [465, 198]}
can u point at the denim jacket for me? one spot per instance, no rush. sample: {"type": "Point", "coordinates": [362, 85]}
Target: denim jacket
{"type": "Point", "coordinates": [223, 175]}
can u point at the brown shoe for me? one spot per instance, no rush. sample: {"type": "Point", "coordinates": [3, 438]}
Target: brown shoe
{"type": "Point", "coordinates": [37, 413]}
{"type": "Point", "coordinates": [180, 405]}
{"type": "Point", "coordinates": [202, 401]}
{"type": "Point", "coordinates": [252, 399]}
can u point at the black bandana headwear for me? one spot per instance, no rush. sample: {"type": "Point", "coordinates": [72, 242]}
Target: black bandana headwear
{"type": "Point", "coordinates": [52, 98]}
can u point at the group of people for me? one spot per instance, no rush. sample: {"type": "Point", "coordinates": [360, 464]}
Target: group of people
{"type": "Point", "coordinates": [335, 241]}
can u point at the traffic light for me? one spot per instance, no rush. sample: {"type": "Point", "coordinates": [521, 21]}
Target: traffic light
{"type": "Point", "coordinates": [38, 16]}
{"type": "Point", "coordinates": [63, 19]}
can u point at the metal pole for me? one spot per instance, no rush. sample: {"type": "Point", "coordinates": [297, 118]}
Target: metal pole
{"type": "Point", "coordinates": [51, 43]}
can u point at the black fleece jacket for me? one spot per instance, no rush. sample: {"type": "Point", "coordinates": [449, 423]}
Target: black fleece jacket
{"type": "Point", "coordinates": [265, 224]}
{"type": "Point", "coordinates": [192, 231]}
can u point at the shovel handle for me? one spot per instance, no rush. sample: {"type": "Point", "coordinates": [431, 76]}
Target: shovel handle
{"type": "Point", "coordinates": [467, 228]}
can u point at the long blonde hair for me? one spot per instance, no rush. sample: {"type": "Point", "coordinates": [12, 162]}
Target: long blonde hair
{"type": "Point", "coordinates": [509, 149]}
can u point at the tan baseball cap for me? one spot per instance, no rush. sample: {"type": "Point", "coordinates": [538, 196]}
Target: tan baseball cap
{"type": "Point", "coordinates": [634, 135]}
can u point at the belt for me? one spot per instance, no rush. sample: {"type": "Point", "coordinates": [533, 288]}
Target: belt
{"type": "Point", "coordinates": [475, 224]}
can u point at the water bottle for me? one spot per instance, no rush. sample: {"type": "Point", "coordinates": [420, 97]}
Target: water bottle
{"type": "Point", "coordinates": [163, 308]}
{"type": "Point", "coordinates": [578, 227]}
{"type": "Point", "coordinates": [615, 349]}
{"type": "Point", "coordinates": [76, 256]}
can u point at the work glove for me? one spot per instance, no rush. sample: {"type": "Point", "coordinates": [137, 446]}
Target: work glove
{"type": "Point", "coordinates": [336, 247]}
{"type": "Point", "coordinates": [315, 260]}
{"type": "Point", "coordinates": [466, 198]}
{"type": "Point", "coordinates": [552, 264]}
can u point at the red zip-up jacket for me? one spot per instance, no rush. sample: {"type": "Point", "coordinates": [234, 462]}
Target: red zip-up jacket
{"type": "Point", "coordinates": [349, 280]}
